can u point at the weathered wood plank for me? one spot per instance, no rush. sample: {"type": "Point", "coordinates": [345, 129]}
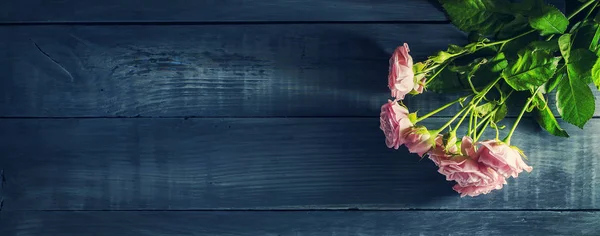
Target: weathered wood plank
{"type": "Point", "coordinates": [218, 70]}
{"type": "Point", "coordinates": [270, 163]}
{"type": "Point", "coordinates": [222, 11]}
{"type": "Point", "coordinates": [299, 223]}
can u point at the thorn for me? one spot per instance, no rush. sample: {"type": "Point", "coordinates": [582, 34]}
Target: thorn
{"type": "Point", "coordinates": [55, 62]}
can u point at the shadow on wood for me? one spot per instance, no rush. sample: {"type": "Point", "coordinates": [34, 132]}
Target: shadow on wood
{"type": "Point", "coordinates": [119, 164]}
{"type": "Point", "coordinates": [352, 65]}
{"type": "Point", "coordinates": [206, 70]}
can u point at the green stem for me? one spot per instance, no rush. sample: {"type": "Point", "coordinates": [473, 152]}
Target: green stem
{"type": "Point", "coordinates": [581, 8]}
{"type": "Point", "coordinates": [471, 124]}
{"type": "Point", "coordinates": [497, 131]}
{"type": "Point", "coordinates": [487, 123]}
{"type": "Point", "coordinates": [591, 10]}
{"type": "Point", "coordinates": [506, 98]}
{"type": "Point", "coordinates": [463, 118]}
{"type": "Point", "coordinates": [476, 124]}
{"type": "Point", "coordinates": [452, 120]}
{"type": "Point", "coordinates": [472, 86]}
{"type": "Point", "coordinates": [503, 42]}
{"type": "Point", "coordinates": [485, 118]}
{"type": "Point", "coordinates": [471, 104]}
{"type": "Point", "coordinates": [577, 29]}
{"type": "Point", "coordinates": [436, 74]}
{"type": "Point", "coordinates": [514, 127]}
{"type": "Point", "coordinates": [428, 69]}
{"type": "Point", "coordinates": [510, 39]}
{"type": "Point", "coordinates": [488, 117]}
{"type": "Point", "coordinates": [441, 108]}
{"type": "Point", "coordinates": [482, 94]}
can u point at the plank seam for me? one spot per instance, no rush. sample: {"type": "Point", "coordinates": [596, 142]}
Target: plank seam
{"type": "Point", "coordinates": [325, 209]}
{"type": "Point", "coordinates": [174, 23]}
{"type": "Point", "coordinates": [204, 117]}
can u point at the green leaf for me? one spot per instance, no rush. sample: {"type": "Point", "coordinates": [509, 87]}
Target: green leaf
{"type": "Point", "coordinates": [539, 101]}
{"type": "Point", "coordinates": [486, 17]}
{"type": "Point", "coordinates": [485, 109]}
{"type": "Point", "coordinates": [587, 36]}
{"type": "Point", "coordinates": [596, 73]}
{"type": "Point", "coordinates": [447, 81]}
{"type": "Point", "coordinates": [521, 10]}
{"type": "Point", "coordinates": [514, 47]}
{"type": "Point", "coordinates": [549, 20]}
{"type": "Point", "coordinates": [532, 69]}
{"type": "Point", "coordinates": [501, 113]}
{"type": "Point", "coordinates": [518, 25]}
{"type": "Point", "coordinates": [441, 57]}
{"type": "Point", "coordinates": [455, 78]}
{"type": "Point", "coordinates": [564, 43]}
{"type": "Point", "coordinates": [524, 7]}
{"type": "Point", "coordinates": [453, 50]}
{"type": "Point", "coordinates": [595, 40]}
{"type": "Point", "coordinates": [558, 76]}
{"type": "Point", "coordinates": [575, 101]}
{"type": "Point", "coordinates": [498, 63]}
{"type": "Point", "coordinates": [547, 46]}
{"type": "Point", "coordinates": [475, 37]}
{"type": "Point", "coordinates": [547, 121]}
{"type": "Point", "coordinates": [580, 65]}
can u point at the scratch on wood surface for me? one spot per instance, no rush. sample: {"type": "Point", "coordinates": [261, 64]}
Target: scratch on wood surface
{"type": "Point", "coordinates": [52, 59]}
{"type": "Point", "coordinates": [81, 40]}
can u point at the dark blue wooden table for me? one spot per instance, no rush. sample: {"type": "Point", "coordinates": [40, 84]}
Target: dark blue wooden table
{"type": "Point", "coordinates": [246, 117]}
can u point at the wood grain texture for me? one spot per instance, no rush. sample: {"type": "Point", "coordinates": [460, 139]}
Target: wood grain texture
{"type": "Point", "coordinates": [299, 223]}
{"type": "Point", "coordinates": [221, 11]}
{"type": "Point", "coordinates": [270, 163]}
{"type": "Point", "coordinates": [216, 70]}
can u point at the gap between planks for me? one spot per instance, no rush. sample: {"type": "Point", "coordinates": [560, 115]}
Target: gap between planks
{"type": "Point", "coordinates": [212, 117]}
{"type": "Point", "coordinates": [180, 23]}
{"type": "Point", "coordinates": [324, 210]}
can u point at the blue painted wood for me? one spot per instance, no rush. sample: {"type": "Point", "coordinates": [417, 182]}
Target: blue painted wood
{"type": "Point", "coordinates": [310, 166]}
{"type": "Point", "coordinates": [268, 163]}
{"type": "Point", "coordinates": [221, 11]}
{"type": "Point", "coordinates": [388, 223]}
{"type": "Point", "coordinates": [216, 70]}
{"type": "Point", "coordinates": [211, 11]}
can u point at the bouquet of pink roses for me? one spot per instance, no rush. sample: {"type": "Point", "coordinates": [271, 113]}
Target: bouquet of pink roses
{"type": "Point", "coordinates": [525, 48]}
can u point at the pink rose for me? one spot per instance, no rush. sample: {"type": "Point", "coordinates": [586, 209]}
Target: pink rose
{"type": "Point", "coordinates": [502, 158]}
{"type": "Point", "coordinates": [474, 190]}
{"type": "Point", "coordinates": [418, 140]}
{"type": "Point", "coordinates": [467, 148]}
{"type": "Point", "coordinates": [464, 168]}
{"type": "Point", "coordinates": [472, 178]}
{"type": "Point", "coordinates": [401, 75]}
{"type": "Point", "coordinates": [393, 122]}
{"type": "Point", "coordinates": [442, 151]}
